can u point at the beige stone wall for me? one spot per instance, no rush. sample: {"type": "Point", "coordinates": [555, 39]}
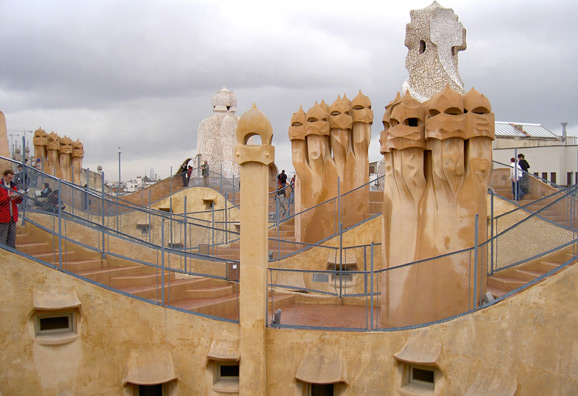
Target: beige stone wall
{"type": "Point", "coordinates": [529, 339]}
{"type": "Point", "coordinates": [111, 325]}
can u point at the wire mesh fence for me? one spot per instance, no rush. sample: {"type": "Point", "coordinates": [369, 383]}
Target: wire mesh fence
{"type": "Point", "coordinates": [147, 254]}
{"type": "Point", "coordinates": [522, 234]}
{"type": "Point", "coordinates": [353, 293]}
{"type": "Point", "coordinates": [348, 290]}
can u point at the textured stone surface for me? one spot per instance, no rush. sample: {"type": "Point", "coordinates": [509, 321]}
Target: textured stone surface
{"type": "Point", "coordinates": [330, 143]}
{"type": "Point", "coordinates": [433, 38]}
{"type": "Point", "coordinates": [216, 134]}
{"type": "Point", "coordinates": [438, 160]}
{"type": "Point", "coordinates": [77, 156]}
{"type": "Point", "coordinates": [60, 157]}
{"type": "Point", "coordinates": [254, 161]}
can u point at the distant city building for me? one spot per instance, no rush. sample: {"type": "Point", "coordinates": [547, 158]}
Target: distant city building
{"type": "Point", "coordinates": [552, 157]}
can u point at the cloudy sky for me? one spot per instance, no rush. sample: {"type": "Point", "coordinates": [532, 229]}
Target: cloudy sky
{"type": "Point", "coordinates": [140, 74]}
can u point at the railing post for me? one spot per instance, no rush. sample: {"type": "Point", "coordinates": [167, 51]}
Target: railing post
{"type": "Point", "coordinates": [185, 231]}
{"type": "Point", "coordinates": [476, 266]}
{"type": "Point", "coordinates": [171, 221]}
{"type": "Point", "coordinates": [162, 262]}
{"type": "Point", "coordinates": [102, 208]}
{"type": "Point", "coordinates": [86, 199]}
{"type": "Point", "coordinates": [515, 174]}
{"type": "Point", "coordinates": [226, 219]}
{"type": "Point", "coordinates": [269, 296]}
{"type": "Point", "coordinates": [278, 225]}
{"type": "Point", "coordinates": [150, 217]}
{"type": "Point", "coordinates": [26, 187]}
{"type": "Point", "coordinates": [491, 231]}
{"type": "Point", "coordinates": [365, 269]}
{"type": "Point", "coordinates": [213, 226]}
{"type": "Point", "coordinates": [371, 288]}
{"type": "Point", "coordinates": [340, 261]}
{"type": "Point", "coordinates": [338, 203]}
{"type": "Point", "coordinates": [59, 203]}
{"type": "Point", "coordinates": [171, 182]}
{"type": "Point", "coordinates": [575, 228]}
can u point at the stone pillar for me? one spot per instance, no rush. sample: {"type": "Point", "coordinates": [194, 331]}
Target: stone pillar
{"type": "Point", "coordinates": [77, 156]}
{"type": "Point", "coordinates": [438, 162]}
{"type": "Point", "coordinates": [254, 161]}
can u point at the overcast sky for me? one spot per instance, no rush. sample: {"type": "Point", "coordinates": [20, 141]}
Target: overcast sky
{"type": "Point", "coordinates": [141, 74]}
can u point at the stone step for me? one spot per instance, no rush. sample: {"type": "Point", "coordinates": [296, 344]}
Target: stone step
{"type": "Point", "coordinates": [376, 196]}
{"type": "Point", "coordinates": [22, 237]}
{"type": "Point", "coordinates": [527, 275]}
{"type": "Point", "coordinates": [140, 280]}
{"type": "Point", "coordinates": [53, 257]}
{"type": "Point", "coordinates": [542, 266]}
{"type": "Point", "coordinates": [279, 300]}
{"type": "Point", "coordinates": [85, 265]}
{"type": "Point", "coordinates": [178, 287]}
{"type": "Point", "coordinates": [505, 283]}
{"type": "Point", "coordinates": [105, 275]}
{"type": "Point", "coordinates": [216, 291]}
{"type": "Point", "coordinates": [375, 207]}
{"type": "Point", "coordinates": [283, 234]}
{"type": "Point", "coordinates": [33, 248]}
{"type": "Point", "coordinates": [224, 306]}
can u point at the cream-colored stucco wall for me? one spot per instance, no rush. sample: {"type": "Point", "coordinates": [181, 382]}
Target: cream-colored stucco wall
{"type": "Point", "coordinates": [110, 327]}
{"type": "Point", "coordinates": [530, 338]}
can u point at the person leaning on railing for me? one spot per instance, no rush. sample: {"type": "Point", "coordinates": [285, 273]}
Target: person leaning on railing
{"type": "Point", "coordinates": [9, 200]}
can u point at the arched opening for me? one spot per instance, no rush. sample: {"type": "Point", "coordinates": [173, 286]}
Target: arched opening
{"type": "Point", "coordinates": [422, 46]}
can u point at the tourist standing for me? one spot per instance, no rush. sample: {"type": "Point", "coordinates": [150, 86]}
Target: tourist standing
{"type": "Point", "coordinates": [21, 179]}
{"type": "Point", "coordinates": [189, 173]}
{"type": "Point", "coordinates": [281, 198]}
{"type": "Point", "coordinates": [9, 198]}
{"type": "Point", "coordinates": [183, 173]}
{"type": "Point", "coordinates": [35, 180]}
{"type": "Point", "coordinates": [205, 173]}
{"type": "Point", "coordinates": [282, 178]}
{"type": "Point", "coordinates": [516, 174]}
{"type": "Point", "coordinates": [525, 181]}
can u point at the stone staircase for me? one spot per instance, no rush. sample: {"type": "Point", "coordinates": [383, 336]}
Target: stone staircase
{"type": "Point", "coordinates": [375, 203]}
{"type": "Point", "coordinates": [286, 246]}
{"type": "Point", "coordinates": [507, 280]}
{"type": "Point", "coordinates": [211, 296]}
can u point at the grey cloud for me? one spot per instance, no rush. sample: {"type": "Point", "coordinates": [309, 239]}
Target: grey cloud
{"type": "Point", "coordinates": [141, 74]}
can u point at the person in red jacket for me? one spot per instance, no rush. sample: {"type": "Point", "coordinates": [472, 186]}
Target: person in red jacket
{"type": "Point", "coordinates": [9, 200]}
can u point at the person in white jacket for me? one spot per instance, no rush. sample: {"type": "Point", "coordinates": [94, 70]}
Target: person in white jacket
{"type": "Point", "coordinates": [516, 175]}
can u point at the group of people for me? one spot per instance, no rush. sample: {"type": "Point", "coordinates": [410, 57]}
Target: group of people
{"type": "Point", "coordinates": [519, 177]}
{"type": "Point", "coordinates": [186, 172]}
{"type": "Point", "coordinates": [13, 187]}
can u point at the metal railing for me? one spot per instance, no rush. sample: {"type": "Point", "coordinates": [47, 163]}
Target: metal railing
{"type": "Point", "coordinates": [176, 247]}
{"type": "Point", "coordinates": [155, 263]}
{"type": "Point", "coordinates": [353, 295]}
